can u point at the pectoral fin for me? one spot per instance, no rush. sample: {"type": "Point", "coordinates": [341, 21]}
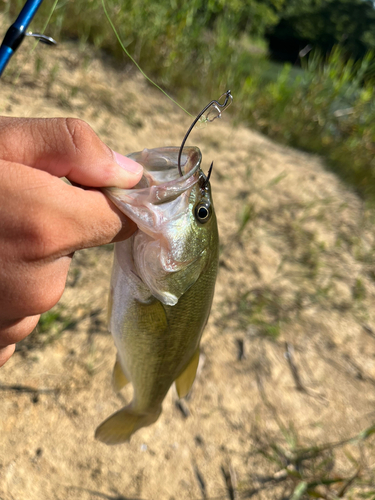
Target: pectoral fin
{"type": "Point", "coordinates": [186, 379]}
{"type": "Point", "coordinates": [118, 378]}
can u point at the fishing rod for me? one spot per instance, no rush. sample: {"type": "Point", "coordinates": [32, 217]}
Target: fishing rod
{"type": "Point", "coordinates": [17, 32]}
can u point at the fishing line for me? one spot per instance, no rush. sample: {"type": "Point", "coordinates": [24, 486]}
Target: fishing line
{"type": "Point", "coordinates": [137, 65]}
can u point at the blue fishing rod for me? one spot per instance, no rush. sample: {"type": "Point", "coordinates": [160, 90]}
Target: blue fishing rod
{"type": "Point", "coordinates": [17, 32]}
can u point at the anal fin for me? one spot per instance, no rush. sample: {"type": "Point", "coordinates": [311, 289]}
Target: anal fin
{"type": "Point", "coordinates": [186, 379]}
{"type": "Point", "coordinates": [118, 378]}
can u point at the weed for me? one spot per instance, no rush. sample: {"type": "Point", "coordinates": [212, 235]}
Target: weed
{"type": "Point", "coordinates": [263, 308]}
{"type": "Point", "coordinates": [38, 66]}
{"type": "Point", "coordinates": [326, 107]}
{"type": "Point", "coordinates": [310, 472]}
{"type": "Point", "coordinates": [51, 325]}
{"type": "Point", "coordinates": [51, 79]}
{"type": "Point", "coordinates": [359, 290]}
{"type": "Point", "coordinates": [247, 215]}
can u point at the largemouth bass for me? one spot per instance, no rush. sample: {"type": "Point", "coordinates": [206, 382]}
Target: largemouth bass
{"type": "Point", "coordinates": [162, 285]}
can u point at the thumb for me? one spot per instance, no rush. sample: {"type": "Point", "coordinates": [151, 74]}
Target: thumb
{"type": "Point", "coordinates": [66, 147]}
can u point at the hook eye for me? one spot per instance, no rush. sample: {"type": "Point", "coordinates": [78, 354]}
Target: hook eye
{"type": "Point", "coordinates": [42, 38]}
{"type": "Point", "coordinates": [216, 107]}
{"type": "Point", "coordinates": [227, 101]}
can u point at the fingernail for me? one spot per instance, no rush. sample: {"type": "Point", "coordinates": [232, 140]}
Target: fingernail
{"type": "Point", "coordinates": [127, 164]}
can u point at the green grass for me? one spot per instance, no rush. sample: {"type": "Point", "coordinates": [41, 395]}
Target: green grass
{"type": "Point", "coordinates": [50, 327]}
{"type": "Point", "coordinates": [196, 53]}
{"type": "Point", "coordinates": [328, 109]}
{"type": "Point", "coordinates": [310, 471]}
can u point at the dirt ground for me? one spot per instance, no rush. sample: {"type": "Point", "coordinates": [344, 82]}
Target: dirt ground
{"type": "Point", "coordinates": [287, 375]}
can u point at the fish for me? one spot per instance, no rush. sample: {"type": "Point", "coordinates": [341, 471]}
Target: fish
{"type": "Point", "coordinates": [162, 284]}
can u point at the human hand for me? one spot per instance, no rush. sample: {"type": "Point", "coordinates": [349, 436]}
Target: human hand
{"type": "Point", "coordinates": [43, 220]}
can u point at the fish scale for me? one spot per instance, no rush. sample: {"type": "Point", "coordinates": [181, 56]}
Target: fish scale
{"type": "Point", "coordinates": [162, 285]}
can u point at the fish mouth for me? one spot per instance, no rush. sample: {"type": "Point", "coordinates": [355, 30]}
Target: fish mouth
{"type": "Point", "coordinates": [161, 181]}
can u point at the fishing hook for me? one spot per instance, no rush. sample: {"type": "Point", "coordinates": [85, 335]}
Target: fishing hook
{"type": "Point", "coordinates": [208, 176]}
{"type": "Point", "coordinates": [219, 108]}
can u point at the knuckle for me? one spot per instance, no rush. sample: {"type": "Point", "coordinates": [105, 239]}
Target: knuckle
{"type": "Point", "coordinates": [41, 239]}
{"type": "Point", "coordinates": [79, 133]}
{"type": "Point", "coordinates": [45, 301]}
{"type": "Point", "coordinates": [18, 330]}
{"type": "Point", "coordinates": [43, 298]}
{"type": "Point", "coordinates": [34, 243]}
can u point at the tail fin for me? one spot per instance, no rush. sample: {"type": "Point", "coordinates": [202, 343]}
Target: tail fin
{"type": "Point", "coordinates": [121, 425]}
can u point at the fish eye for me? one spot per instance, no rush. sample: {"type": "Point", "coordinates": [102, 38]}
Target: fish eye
{"type": "Point", "coordinates": [202, 212]}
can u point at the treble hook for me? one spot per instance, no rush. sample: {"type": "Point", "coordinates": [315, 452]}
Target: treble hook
{"type": "Point", "coordinates": [219, 108]}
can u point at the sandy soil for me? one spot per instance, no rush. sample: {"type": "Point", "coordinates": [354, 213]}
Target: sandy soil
{"type": "Point", "coordinates": [288, 354]}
